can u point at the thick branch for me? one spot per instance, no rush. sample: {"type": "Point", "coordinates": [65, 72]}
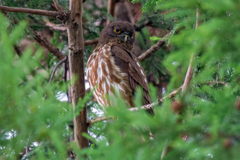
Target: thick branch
{"type": "Point", "coordinates": [43, 42]}
{"type": "Point", "coordinates": [154, 48]}
{"type": "Point", "coordinates": [76, 66]}
{"type": "Point", "coordinates": [29, 11]}
{"type": "Point", "coordinates": [130, 15]}
{"type": "Point", "coordinates": [110, 8]}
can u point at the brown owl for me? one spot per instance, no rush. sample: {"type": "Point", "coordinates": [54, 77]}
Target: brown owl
{"type": "Point", "coordinates": [112, 67]}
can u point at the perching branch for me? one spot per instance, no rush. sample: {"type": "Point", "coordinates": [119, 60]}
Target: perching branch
{"type": "Point", "coordinates": [43, 42]}
{"type": "Point", "coordinates": [148, 106]}
{"type": "Point", "coordinates": [55, 68]}
{"type": "Point", "coordinates": [29, 11]}
{"type": "Point", "coordinates": [154, 48]}
{"type": "Point", "coordinates": [145, 107]}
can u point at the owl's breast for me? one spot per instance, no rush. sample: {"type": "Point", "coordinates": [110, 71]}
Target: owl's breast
{"type": "Point", "coordinates": [107, 78]}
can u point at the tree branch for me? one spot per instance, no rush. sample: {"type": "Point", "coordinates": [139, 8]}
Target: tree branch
{"type": "Point", "coordinates": [76, 66]}
{"type": "Point", "coordinates": [189, 73]}
{"type": "Point", "coordinates": [43, 42]}
{"type": "Point", "coordinates": [154, 48]}
{"type": "Point", "coordinates": [29, 11]}
{"type": "Point", "coordinates": [145, 107]}
{"type": "Point", "coordinates": [55, 68]}
{"type": "Point", "coordinates": [59, 8]}
{"type": "Point", "coordinates": [98, 119]}
{"type": "Point", "coordinates": [216, 82]}
{"type": "Point", "coordinates": [148, 106]}
{"type": "Point", "coordinates": [54, 26]}
{"type": "Point", "coordinates": [91, 42]}
{"type": "Point", "coordinates": [188, 76]}
{"type": "Point", "coordinates": [110, 8]}
{"type": "Point", "coordinates": [130, 15]}
{"type": "Point", "coordinates": [18, 50]}
{"type": "Point", "coordinates": [139, 28]}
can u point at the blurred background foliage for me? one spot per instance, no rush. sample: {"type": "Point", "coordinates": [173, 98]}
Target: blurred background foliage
{"type": "Point", "coordinates": [201, 124]}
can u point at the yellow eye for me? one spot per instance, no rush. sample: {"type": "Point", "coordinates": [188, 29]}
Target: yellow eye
{"type": "Point", "coordinates": [117, 30]}
{"type": "Point", "coordinates": [132, 36]}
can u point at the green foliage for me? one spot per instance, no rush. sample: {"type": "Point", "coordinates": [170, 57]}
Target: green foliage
{"type": "Point", "coordinates": [209, 119]}
{"type": "Point", "coordinates": [30, 116]}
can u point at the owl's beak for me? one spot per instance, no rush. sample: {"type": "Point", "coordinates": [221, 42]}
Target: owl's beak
{"type": "Point", "coordinates": [126, 38]}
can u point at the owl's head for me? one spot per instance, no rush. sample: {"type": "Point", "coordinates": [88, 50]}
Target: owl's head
{"type": "Point", "coordinates": [120, 32]}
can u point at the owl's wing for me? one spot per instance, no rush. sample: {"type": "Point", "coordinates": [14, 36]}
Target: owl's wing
{"type": "Point", "coordinates": [130, 64]}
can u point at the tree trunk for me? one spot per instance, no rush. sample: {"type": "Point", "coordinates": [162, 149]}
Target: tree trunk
{"type": "Point", "coordinates": [76, 65]}
{"type": "Point", "coordinates": [110, 8]}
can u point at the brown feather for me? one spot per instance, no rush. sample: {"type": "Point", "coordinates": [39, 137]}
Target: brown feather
{"type": "Point", "coordinates": [134, 71]}
{"type": "Point", "coordinates": [113, 65]}
{"type": "Point", "coordinates": [126, 61]}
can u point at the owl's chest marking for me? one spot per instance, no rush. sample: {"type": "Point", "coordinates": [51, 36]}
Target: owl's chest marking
{"type": "Point", "coordinates": [108, 78]}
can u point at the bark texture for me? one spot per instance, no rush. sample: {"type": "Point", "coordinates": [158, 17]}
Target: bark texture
{"type": "Point", "coordinates": [29, 11]}
{"type": "Point", "coordinates": [76, 65]}
{"type": "Point", "coordinates": [110, 8]}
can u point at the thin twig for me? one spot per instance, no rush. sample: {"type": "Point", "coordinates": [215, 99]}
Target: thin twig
{"type": "Point", "coordinates": [189, 73]}
{"type": "Point", "coordinates": [59, 8]}
{"type": "Point", "coordinates": [17, 50]}
{"type": "Point", "coordinates": [148, 106]}
{"type": "Point", "coordinates": [188, 76]}
{"type": "Point", "coordinates": [139, 28]}
{"type": "Point", "coordinates": [98, 119]}
{"type": "Point", "coordinates": [145, 107]}
{"type": "Point", "coordinates": [55, 68]}
{"type": "Point", "coordinates": [43, 42]}
{"type": "Point", "coordinates": [65, 66]}
{"type": "Point", "coordinates": [154, 48]}
{"type": "Point", "coordinates": [91, 42]}
{"type": "Point", "coordinates": [29, 11]}
{"type": "Point", "coordinates": [217, 82]}
{"type": "Point", "coordinates": [55, 26]}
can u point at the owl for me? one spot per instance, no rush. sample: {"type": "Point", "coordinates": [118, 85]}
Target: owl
{"type": "Point", "coordinates": [112, 67]}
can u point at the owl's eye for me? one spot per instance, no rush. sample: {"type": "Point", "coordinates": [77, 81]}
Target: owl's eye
{"type": "Point", "coordinates": [132, 36]}
{"type": "Point", "coordinates": [117, 30]}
